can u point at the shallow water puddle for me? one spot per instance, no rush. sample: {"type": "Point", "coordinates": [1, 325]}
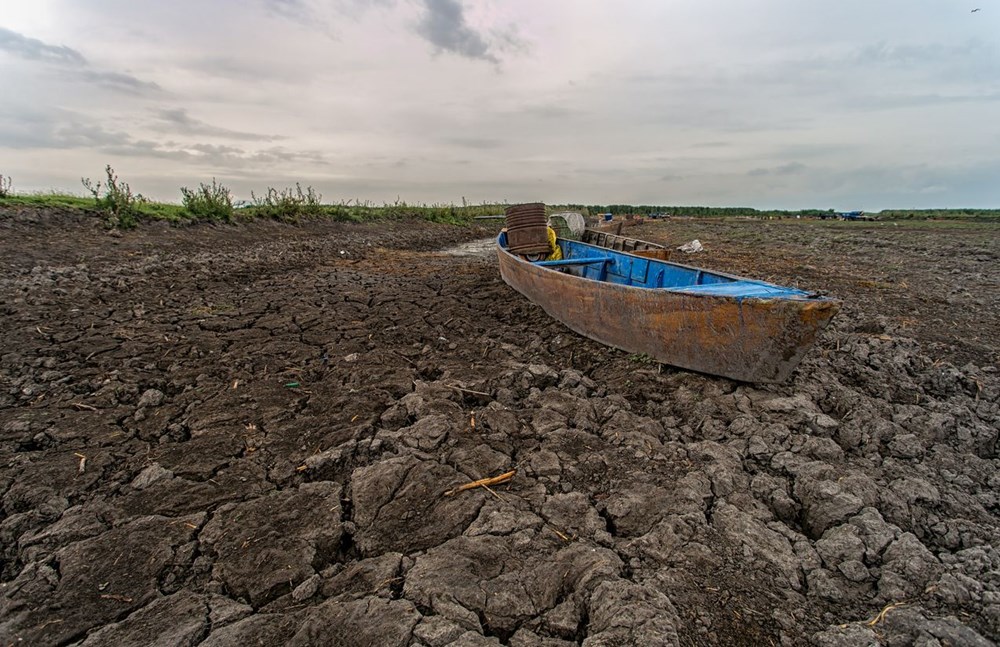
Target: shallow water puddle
{"type": "Point", "coordinates": [481, 247]}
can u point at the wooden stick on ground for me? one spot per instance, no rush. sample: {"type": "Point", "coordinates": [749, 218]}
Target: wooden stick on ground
{"type": "Point", "coordinates": [490, 490]}
{"type": "Point", "coordinates": [494, 480]}
{"type": "Point", "coordinates": [460, 389]}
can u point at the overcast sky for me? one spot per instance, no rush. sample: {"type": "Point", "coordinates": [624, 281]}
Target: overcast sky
{"type": "Point", "coordinates": [854, 104]}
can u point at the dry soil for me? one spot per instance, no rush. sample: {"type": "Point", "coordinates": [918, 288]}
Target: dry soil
{"type": "Point", "coordinates": [242, 435]}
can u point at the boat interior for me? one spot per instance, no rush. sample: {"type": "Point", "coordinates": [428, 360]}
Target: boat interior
{"type": "Point", "coordinates": [601, 264]}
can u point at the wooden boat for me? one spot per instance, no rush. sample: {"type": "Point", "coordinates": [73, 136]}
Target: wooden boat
{"type": "Point", "coordinates": [635, 246]}
{"type": "Point", "coordinates": [692, 318]}
{"type": "Point", "coordinates": [615, 225]}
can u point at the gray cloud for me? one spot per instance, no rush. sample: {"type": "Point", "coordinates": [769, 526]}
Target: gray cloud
{"type": "Point", "coordinates": [509, 40]}
{"type": "Point", "coordinates": [889, 102]}
{"type": "Point", "coordinates": [117, 81]}
{"type": "Point", "coordinates": [64, 130]}
{"type": "Point", "coordinates": [321, 17]}
{"type": "Point", "coordinates": [54, 129]}
{"type": "Point", "coordinates": [35, 50]}
{"type": "Point", "coordinates": [550, 111]}
{"type": "Point", "coordinates": [444, 27]}
{"type": "Point", "coordinates": [273, 70]}
{"type": "Point", "coordinates": [908, 54]}
{"type": "Point", "coordinates": [296, 10]}
{"type": "Point", "coordinates": [478, 143]}
{"type": "Point", "coordinates": [178, 121]}
{"type": "Point", "coordinates": [959, 72]}
{"type": "Point", "coordinates": [75, 65]}
{"type": "Point", "coordinates": [791, 168]}
{"type": "Point", "coordinates": [214, 155]}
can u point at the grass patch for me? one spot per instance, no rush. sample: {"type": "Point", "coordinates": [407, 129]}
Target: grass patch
{"type": "Point", "coordinates": [146, 209]}
{"type": "Point", "coordinates": [48, 200]}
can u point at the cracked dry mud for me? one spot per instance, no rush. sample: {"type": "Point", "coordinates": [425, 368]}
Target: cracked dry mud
{"type": "Point", "coordinates": [242, 436]}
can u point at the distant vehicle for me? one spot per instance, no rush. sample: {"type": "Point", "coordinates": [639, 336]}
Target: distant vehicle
{"type": "Point", "coordinates": [854, 215]}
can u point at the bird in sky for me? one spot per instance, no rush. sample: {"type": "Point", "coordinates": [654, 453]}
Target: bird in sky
{"type": "Point", "coordinates": [975, 10]}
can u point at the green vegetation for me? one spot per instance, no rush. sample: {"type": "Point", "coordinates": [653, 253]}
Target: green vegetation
{"type": "Point", "coordinates": [343, 212]}
{"type": "Point", "coordinates": [209, 202]}
{"type": "Point", "coordinates": [115, 198]}
{"type": "Point", "coordinates": [940, 214]}
{"type": "Point", "coordinates": [287, 205]}
{"type": "Point", "coordinates": [123, 209]}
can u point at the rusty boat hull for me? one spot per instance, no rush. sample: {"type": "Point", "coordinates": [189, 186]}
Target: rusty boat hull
{"type": "Point", "coordinates": [691, 318]}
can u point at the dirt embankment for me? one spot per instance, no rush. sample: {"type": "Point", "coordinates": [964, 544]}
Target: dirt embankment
{"type": "Point", "coordinates": [229, 436]}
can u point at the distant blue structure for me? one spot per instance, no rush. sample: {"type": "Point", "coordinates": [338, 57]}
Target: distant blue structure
{"type": "Point", "coordinates": [851, 215]}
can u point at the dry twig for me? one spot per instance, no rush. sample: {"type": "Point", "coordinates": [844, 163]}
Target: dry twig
{"type": "Point", "coordinates": [879, 617]}
{"type": "Point", "coordinates": [881, 614]}
{"type": "Point", "coordinates": [490, 490]}
{"type": "Point", "coordinates": [484, 483]}
{"type": "Point", "coordinates": [458, 388]}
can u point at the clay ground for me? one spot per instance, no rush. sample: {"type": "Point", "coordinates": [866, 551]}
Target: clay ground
{"type": "Point", "coordinates": [242, 436]}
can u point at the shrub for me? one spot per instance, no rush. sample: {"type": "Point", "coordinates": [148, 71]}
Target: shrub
{"type": "Point", "coordinates": [287, 204]}
{"type": "Point", "coordinates": [210, 202]}
{"type": "Point", "coordinates": [115, 198]}
{"type": "Point", "coordinates": [5, 182]}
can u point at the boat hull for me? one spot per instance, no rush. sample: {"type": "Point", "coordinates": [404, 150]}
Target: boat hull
{"type": "Point", "coordinates": [748, 339]}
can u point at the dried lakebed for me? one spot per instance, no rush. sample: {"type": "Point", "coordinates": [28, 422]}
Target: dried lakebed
{"type": "Point", "coordinates": [243, 435]}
